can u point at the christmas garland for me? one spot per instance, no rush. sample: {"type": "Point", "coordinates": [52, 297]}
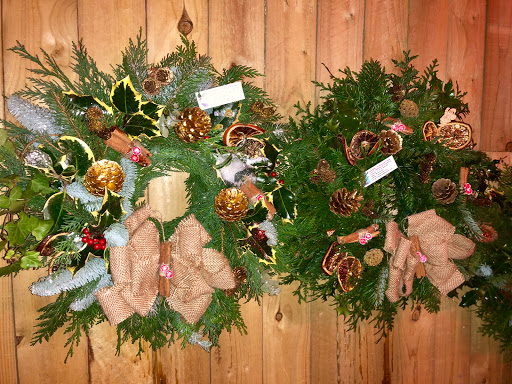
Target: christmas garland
{"type": "Point", "coordinates": [73, 170]}
{"type": "Point", "coordinates": [375, 238]}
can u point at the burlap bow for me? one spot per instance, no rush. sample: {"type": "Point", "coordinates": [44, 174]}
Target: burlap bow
{"type": "Point", "coordinates": [438, 243]}
{"type": "Point", "coordinates": [134, 270]}
{"type": "Point", "coordinates": [196, 270]}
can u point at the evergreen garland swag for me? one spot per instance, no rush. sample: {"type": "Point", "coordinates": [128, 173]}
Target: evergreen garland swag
{"type": "Point", "coordinates": [330, 249]}
{"type": "Point", "coordinates": [75, 165]}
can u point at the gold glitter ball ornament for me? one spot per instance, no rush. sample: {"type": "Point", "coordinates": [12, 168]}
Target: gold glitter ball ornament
{"type": "Point", "coordinates": [344, 203]}
{"type": "Point", "coordinates": [104, 174]}
{"type": "Point", "coordinates": [444, 191]}
{"type": "Point", "coordinates": [373, 257]}
{"type": "Point", "coordinates": [231, 204]}
{"type": "Point", "coordinates": [194, 124]}
{"type": "Point", "coordinates": [409, 108]}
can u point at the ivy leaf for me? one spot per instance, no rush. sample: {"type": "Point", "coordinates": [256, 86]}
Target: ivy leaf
{"type": "Point", "coordinates": [470, 298]}
{"type": "Point", "coordinates": [83, 102]}
{"type": "Point", "coordinates": [4, 202]}
{"type": "Point", "coordinates": [40, 184]}
{"type": "Point", "coordinates": [3, 136]}
{"type": "Point", "coordinates": [9, 269]}
{"type": "Point", "coordinates": [53, 209]}
{"type": "Point", "coordinates": [17, 233]}
{"type": "Point", "coordinates": [81, 155]}
{"type": "Point", "coordinates": [125, 98]}
{"type": "Point", "coordinates": [140, 124]}
{"type": "Point", "coordinates": [152, 110]}
{"type": "Point", "coordinates": [111, 209]}
{"type": "Point", "coordinates": [30, 260]}
{"type": "Point", "coordinates": [42, 228]}
{"type": "Point", "coordinates": [284, 202]}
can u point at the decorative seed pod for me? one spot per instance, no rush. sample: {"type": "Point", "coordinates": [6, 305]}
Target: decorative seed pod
{"type": "Point", "coordinates": [409, 108]}
{"type": "Point", "coordinates": [104, 174]}
{"type": "Point", "coordinates": [332, 258]}
{"type": "Point", "coordinates": [444, 191]}
{"type": "Point", "coordinates": [322, 173]}
{"type": "Point", "coordinates": [345, 203]}
{"type": "Point", "coordinates": [194, 124]}
{"type": "Point", "coordinates": [349, 272]}
{"type": "Point", "coordinates": [390, 142]}
{"type": "Point", "coordinates": [363, 144]}
{"type": "Point", "coordinates": [253, 147]}
{"type": "Point", "coordinates": [231, 204]}
{"type": "Point", "coordinates": [373, 257]}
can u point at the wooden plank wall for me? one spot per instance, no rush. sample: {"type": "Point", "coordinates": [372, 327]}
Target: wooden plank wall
{"type": "Point", "coordinates": [288, 41]}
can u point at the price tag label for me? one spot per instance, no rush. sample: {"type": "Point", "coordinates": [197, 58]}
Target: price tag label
{"type": "Point", "coordinates": [380, 170]}
{"type": "Point", "coordinates": [217, 96]}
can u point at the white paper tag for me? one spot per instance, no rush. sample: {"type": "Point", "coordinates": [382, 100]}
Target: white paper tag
{"type": "Point", "coordinates": [224, 94]}
{"type": "Point", "coordinates": [380, 170]}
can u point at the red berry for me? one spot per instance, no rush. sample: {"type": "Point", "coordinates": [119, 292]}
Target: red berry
{"type": "Point", "coordinates": [84, 239]}
{"type": "Point", "coordinates": [95, 241]}
{"type": "Point", "coordinates": [207, 137]}
{"type": "Point", "coordinates": [281, 181]}
{"type": "Point", "coordinates": [90, 242]}
{"type": "Point", "coordinates": [96, 247]}
{"type": "Point", "coordinates": [273, 174]}
{"type": "Point", "coordinates": [86, 231]}
{"type": "Point", "coordinates": [102, 242]}
{"type": "Point", "coordinates": [104, 246]}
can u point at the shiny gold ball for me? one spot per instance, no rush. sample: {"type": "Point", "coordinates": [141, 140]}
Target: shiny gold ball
{"type": "Point", "coordinates": [104, 174]}
{"type": "Point", "coordinates": [231, 204]}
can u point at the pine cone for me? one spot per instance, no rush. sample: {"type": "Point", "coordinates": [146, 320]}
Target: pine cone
{"type": "Point", "coordinates": [390, 142]}
{"type": "Point", "coordinates": [409, 108]}
{"type": "Point", "coordinates": [398, 92]}
{"type": "Point", "coordinates": [444, 191]}
{"type": "Point", "coordinates": [194, 124]}
{"type": "Point", "coordinates": [164, 76]}
{"type": "Point", "coordinates": [104, 174]}
{"type": "Point", "coordinates": [373, 257]}
{"type": "Point", "coordinates": [151, 86]}
{"type": "Point", "coordinates": [369, 209]}
{"type": "Point", "coordinates": [253, 147]}
{"type": "Point", "coordinates": [99, 129]}
{"type": "Point", "coordinates": [322, 172]}
{"type": "Point", "coordinates": [94, 113]}
{"type": "Point", "coordinates": [426, 167]}
{"type": "Point", "coordinates": [231, 204]}
{"type": "Point", "coordinates": [344, 203]}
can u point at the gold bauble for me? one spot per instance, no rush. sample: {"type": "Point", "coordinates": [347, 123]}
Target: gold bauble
{"type": "Point", "coordinates": [231, 204]}
{"type": "Point", "coordinates": [194, 125]}
{"type": "Point", "coordinates": [104, 174]}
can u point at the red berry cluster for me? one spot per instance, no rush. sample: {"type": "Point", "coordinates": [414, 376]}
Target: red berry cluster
{"type": "Point", "coordinates": [96, 241]}
{"type": "Point", "coordinates": [274, 174]}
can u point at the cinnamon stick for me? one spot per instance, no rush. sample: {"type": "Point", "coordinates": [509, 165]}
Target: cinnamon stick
{"type": "Point", "coordinates": [164, 284]}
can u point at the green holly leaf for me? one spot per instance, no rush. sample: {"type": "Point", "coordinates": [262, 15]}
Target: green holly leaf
{"type": "Point", "coordinates": [53, 209]}
{"type": "Point", "coordinates": [30, 260]}
{"type": "Point", "coordinates": [125, 98]}
{"type": "Point", "coordinates": [40, 184]}
{"type": "Point", "coordinates": [257, 214]}
{"type": "Point", "coordinates": [81, 156]}
{"type": "Point", "coordinates": [470, 298]}
{"type": "Point", "coordinates": [260, 248]}
{"type": "Point", "coordinates": [271, 153]}
{"type": "Point", "coordinates": [140, 124]}
{"type": "Point", "coordinates": [152, 110]}
{"type": "Point", "coordinates": [111, 209]}
{"type": "Point", "coordinates": [83, 102]}
{"type": "Point", "coordinates": [284, 202]}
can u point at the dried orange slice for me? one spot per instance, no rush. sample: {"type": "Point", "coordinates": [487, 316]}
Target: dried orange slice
{"type": "Point", "coordinates": [455, 135]}
{"type": "Point", "coordinates": [349, 272]}
{"type": "Point", "coordinates": [430, 131]}
{"type": "Point", "coordinates": [332, 258]}
{"type": "Point", "coordinates": [363, 144]}
{"type": "Point", "coordinates": [238, 133]}
{"type": "Point", "coordinates": [346, 151]}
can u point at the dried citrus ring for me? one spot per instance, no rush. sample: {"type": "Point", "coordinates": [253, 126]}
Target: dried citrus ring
{"type": "Point", "coordinates": [455, 135]}
{"type": "Point", "coordinates": [239, 132]}
{"type": "Point", "coordinates": [332, 258]}
{"type": "Point", "coordinates": [349, 272]}
{"type": "Point", "coordinates": [346, 150]}
{"type": "Point", "coordinates": [430, 131]}
{"type": "Point", "coordinates": [364, 143]}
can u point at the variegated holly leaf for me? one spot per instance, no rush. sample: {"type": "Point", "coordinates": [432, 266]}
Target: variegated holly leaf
{"type": "Point", "coordinates": [140, 124]}
{"type": "Point", "coordinates": [77, 154]}
{"type": "Point", "coordinates": [54, 210]}
{"type": "Point", "coordinates": [259, 247]}
{"type": "Point", "coordinates": [125, 98]}
{"type": "Point", "coordinates": [152, 110]}
{"type": "Point", "coordinates": [83, 102]}
{"type": "Point", "coordinates": [111, 209]}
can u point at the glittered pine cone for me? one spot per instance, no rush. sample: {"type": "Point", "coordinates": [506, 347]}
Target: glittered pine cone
{"type": "Point", "coordinates": [444, 191]}
{"type": "Point", "coordinates": [409, 108]}
{"type": "Point", "coordinates": [373, 257]}
{"type": "Point", "coordinates": [345, 203]}
{"type": "Point", "coordinates": [99, 129]}
{"type": "Point", "coordinates": [104, 174]}
{"type": "Point", "coordinates": [164, 76]}
{"type": "Point", "coordinates": [151, 86]}
{"type": "Point", "coordinates": [194, 125]}
{"type": "Point", "coordinates": [94, 113]}
{"type": "Point", "coordinates": [390, 142]}
{"type": "Point", "coordinates": [231, 204]}
{"type": "Point", "coordinates": [322, 173]}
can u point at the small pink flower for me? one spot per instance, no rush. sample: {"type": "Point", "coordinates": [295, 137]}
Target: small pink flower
{"type": "Point", "coordinates": [136, 150]}
{"type": "Point", "coordinates": [422, 257]}
{"type": "Point", "coordinates": [134, 158]}
{"type": "Point", "coordinates": [164, 268]}
{"type": "Point", "coordinates": [259, 197]}
{"type": "Point", "coordinates": [398, 127]}
{"type": "Point", "coordinates": [169, 274]}
{"type": "Point", "coordinates": [368, 236]}
{"type": "Point", "coordinates": [363, 241]}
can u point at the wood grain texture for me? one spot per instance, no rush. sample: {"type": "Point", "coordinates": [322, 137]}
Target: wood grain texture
{"type": "Point", "coordinates": [370, 355]}
{"type": "Point", "coordinates": [465, 55]}
{"type": "Point", "coordinates": [162, 25]}
{"type": "Point", "coordinates": [496, 114]}
{"type": "Point", "coordinates": [346, 353]}
{"type": "Point", "coordinates": [324, 342]}
{"type": "Point", "coordinates": [385, 30]}
{"type": "Point", "coordinates": [428, 33]}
